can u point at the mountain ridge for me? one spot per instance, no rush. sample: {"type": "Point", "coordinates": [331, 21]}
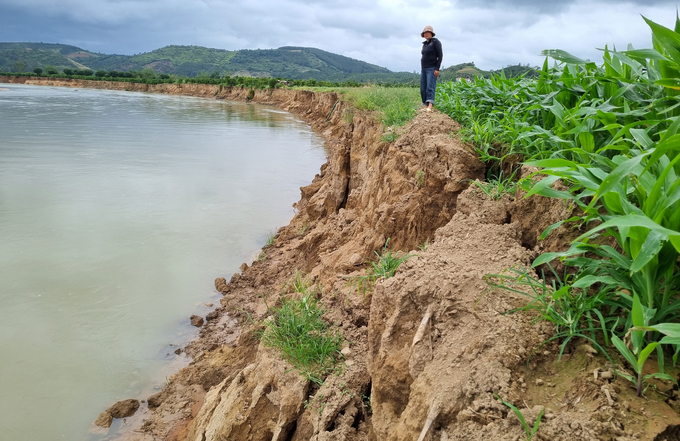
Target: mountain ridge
{"type": "Point", "coordinates": [291, 62]}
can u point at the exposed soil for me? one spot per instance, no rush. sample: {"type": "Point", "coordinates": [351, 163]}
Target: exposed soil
{"type": "Point", "coordinates": [426, 351]}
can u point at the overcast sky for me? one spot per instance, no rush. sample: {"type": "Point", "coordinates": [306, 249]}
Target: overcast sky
{"type": "Point", "coordinates": [492, 33]}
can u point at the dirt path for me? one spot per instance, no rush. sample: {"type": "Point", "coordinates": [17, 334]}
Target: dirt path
{"type": "Point", "coordinates": [427, 350]}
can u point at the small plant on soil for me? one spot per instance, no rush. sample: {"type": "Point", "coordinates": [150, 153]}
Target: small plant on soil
{"type": "Point", "coordinates": [420, 178]}
{"type": "Point", "coordinates": [348, 117]}
{"type": "Point", "coordinates": [299, 283]}
{"type": "Point", "coordinates": [317, 403]}
{"type": "Point", "coordinates": [270, 238]}
{"type": "Point", "coordinates": [303, 229]}
{"type": "Point", "coordinates": [389, 137]}
{"type": "Point", "coordinates": [366, 399]}
{"type": "Point", "coordinates": [530, 432]}
{"type": "Point", "coordinates": [345, 390]}
{"type": "Point", "coordinates": [262, 256]}
{"type": "Point", "coordinates": [423, 246]}
{"type": "Point", "coordinates": [640, 352]}
{"type": "Point", "coordinates": [386, 266]}
{"type": "Point", "coordinates": [296, 329]}
{"type": "Point", "coordinates": [497, 187]}
{"type": "Point", "coordinates": [566, 306]}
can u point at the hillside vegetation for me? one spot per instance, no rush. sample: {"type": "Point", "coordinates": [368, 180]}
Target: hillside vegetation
{"type": "Point", "coordinates": [469, 71]}
{"type": "Point", "coordinates": [191, 61]}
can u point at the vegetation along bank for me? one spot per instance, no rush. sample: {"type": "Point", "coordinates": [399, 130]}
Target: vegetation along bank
{"type": "Point", "coordinates": [511, 273]}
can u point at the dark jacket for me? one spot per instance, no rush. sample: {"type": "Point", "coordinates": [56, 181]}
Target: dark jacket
{"type": "Point", "coordinates": [431, 54]}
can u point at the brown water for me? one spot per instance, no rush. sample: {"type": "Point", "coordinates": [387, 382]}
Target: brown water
{"type": "Point", "coordinates": [117, 212]}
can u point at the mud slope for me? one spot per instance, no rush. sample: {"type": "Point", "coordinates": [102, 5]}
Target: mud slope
{"type": "Point", "coordinates": [426, 351]}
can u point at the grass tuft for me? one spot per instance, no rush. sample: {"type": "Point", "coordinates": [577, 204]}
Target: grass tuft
{"type": "Point", "coordinates": [271, 237]}
{"type": "Point", "coordinates": [296, 329]}
{"type": "Point", "coordinates": [299, 283]}
{"type": "Point", "coordinates": [497, 187]}
{"type": "Point", "coordinates": [386, 266]}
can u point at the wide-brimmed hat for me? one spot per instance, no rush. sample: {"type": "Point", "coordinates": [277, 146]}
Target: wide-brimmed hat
{"type": "Point", "coordinates": [427, 29]}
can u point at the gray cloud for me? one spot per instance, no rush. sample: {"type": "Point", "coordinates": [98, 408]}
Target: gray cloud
{"type": "Point", "coordinates": [492, 33]}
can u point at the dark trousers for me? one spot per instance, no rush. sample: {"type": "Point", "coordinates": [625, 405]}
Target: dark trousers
{"type": "Point", "coordinates": [428, 84]}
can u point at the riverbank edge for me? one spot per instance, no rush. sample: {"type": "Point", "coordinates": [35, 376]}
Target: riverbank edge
{"type": "Point", "coordinates": [429, 350]}
{"type": "Point", "coordinates": [323, 112]}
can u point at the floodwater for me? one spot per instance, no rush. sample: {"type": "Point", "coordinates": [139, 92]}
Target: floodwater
{"type": "Point", "coordinates": [117, 212]}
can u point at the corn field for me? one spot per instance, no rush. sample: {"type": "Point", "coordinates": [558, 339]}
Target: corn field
{"type": "Point", "coordinates": [611, 132]}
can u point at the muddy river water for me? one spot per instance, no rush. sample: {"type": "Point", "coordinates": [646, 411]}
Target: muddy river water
{"type": "Point", "coordinates": [117, 212]}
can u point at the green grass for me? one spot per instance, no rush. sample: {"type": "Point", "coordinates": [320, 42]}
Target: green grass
{"type": "Point", "coordinates": [497, 187]}
{"type": "Point", "coordinates": [386, 266]}
{"type": "Point", "coordinates": [395, 105]}
{"type": "Point", "coordinates": [296, 329]}
{"type": "Point", "coordinates": [573, 312]}
{"type": "Point", "coordinates": [271, 237]}
{"type": "Point", "coordinates": [530, 432]}
{"type": "Point", "coordinates": [420, 178]}
{"type": "Point", "coordinates": [299, 283]}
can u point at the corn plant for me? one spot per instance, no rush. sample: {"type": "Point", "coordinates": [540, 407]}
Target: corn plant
{"type": "Point", "coordinates": [640, 351]}
{"type": "Point", "coordinates": [636, 199]}
{"type": "Point", "coordinates": [530, 432]}
{"type": "Point", "coordinates": [611, 132]}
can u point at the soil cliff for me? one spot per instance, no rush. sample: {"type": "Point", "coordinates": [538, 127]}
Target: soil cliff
{"type": "Point", "coordinates": [429, 351]}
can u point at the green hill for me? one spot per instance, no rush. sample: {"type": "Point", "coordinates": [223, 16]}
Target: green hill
{"type": "Point", "coordinates": [284, 62]}
{"type": "Point", "coordinates": [32, 55]}
{"type": "Point", "coordinates": [470, 71]}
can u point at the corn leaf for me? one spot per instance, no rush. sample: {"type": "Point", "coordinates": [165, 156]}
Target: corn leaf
{"type": "Point", "coordinates": [614, 178]}
{"type": "Point", "coordinates": [623, 349]}
{"type": "Point", "coordinates": [650, 248]}
{"type": "Point", "coordinates": [669, 329]}
{"type": "Point", "coordinates": [645, 354]}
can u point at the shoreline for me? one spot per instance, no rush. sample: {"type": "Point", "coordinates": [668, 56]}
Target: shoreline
{"type": "Point", "coordinates": [427, 351]}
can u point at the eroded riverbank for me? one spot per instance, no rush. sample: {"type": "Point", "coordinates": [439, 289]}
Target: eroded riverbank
{"type": "Point", "coordinates": [426, 350]}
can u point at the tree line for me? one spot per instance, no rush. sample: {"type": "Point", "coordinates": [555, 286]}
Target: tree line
{"type": "Point", "coordinates": [149, 76]}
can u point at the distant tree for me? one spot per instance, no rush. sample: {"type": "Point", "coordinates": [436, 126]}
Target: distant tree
{"type": "Point", "coordinates": [147, 73]}
{"type": "Point", "coordinates": [100, 73]}
{"type": "Point", "coordinates": [19, 66]}
{"type": "Point", "coordinates": [215, 74]}
{"type": "Point", "coordinates": [68, 71]}
{"type": "Point", "coordinates": [51, 70]}
{"type": "Point", "coordinates": [38, 71]}
{"type": "Point", "coordinates": [164, 76]}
